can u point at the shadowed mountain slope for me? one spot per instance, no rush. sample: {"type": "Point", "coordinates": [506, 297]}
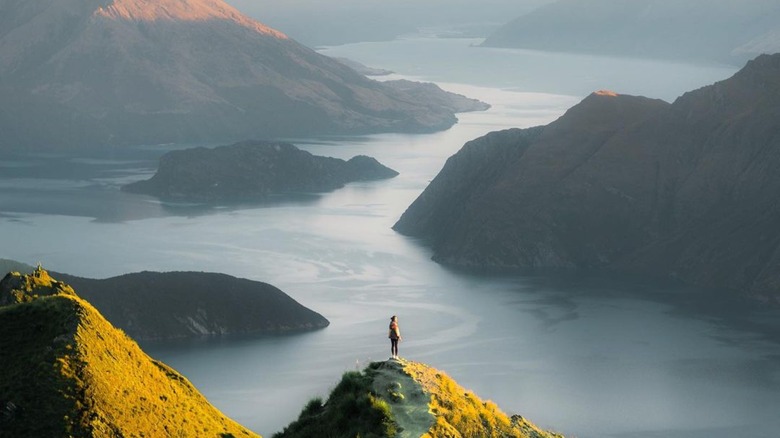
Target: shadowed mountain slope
{"type": "Point", "coordinates": [405, 399]}
{"type": "Point", "coordinates": [686, 190]}
{"type": "Point", "coordinates": [78, 73]}
{"type": "Point", "coordinates": [68, 372]}
{"type": "Point", "coordinates": [168, 305]}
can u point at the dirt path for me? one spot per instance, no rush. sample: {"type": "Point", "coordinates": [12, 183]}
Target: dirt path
{"type": "Point", "coordinates": [406, 398]}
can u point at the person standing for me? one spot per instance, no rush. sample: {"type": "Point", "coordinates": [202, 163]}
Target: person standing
{"type": "Point", "coordinates": [395, 336]}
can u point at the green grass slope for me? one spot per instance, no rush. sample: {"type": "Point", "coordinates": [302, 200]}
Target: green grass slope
{"type": "Point", "coordinates": [68, 372]}
{"type": "Point", "coordinates": [406, 399]}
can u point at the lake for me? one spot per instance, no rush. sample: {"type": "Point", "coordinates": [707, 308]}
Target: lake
{"type": "Point", "coordinates": [586, 355]}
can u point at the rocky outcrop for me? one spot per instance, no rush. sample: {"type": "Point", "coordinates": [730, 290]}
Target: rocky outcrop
{"type": "Point", "coordinates": [253, 171]}
{"type": "Point", "coordinates": [68, 372]}
{"type": "Point", "coordinates": [85, 73]}
{"type": "Point", "coordinates": [702, 30]}
{"type": "Point", "coordinates": [401, 398]}
{"type": "Point", "coordinates": [685, 190]}
{"type": "Point", "coordinates": [170, 305]}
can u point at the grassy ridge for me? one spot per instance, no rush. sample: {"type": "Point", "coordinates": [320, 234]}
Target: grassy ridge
{"type": "Point", "coordinates": [37, 400]}
{"type": "Point", "coordinates": [353, 410]}
{"type": "Point", "coordinates": [406, 399]}
{"type": "Point", "coordinates": [69, 372]}
{"type": "Point", "coordinates": [460, 413]}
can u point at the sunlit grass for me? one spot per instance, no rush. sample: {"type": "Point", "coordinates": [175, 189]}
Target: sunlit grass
{"type": "Point", "coordinates": [352, 410]}
{"type": "Point", "coordinates": [460, 413]}
{"type": "Point", "coordinates": [68, 372]}
{"type": "Point", "coordinates": [407, 399]}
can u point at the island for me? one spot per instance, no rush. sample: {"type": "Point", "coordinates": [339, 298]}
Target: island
{"type": "Point", "coordinates": [253, 170]}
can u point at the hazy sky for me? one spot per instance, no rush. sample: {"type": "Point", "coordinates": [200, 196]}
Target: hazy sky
{"type": "Point", "coordinates": [317, 22]}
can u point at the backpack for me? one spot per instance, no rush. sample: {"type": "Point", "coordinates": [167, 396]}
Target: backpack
{"type": "Point", "coordinates": [393, 333]}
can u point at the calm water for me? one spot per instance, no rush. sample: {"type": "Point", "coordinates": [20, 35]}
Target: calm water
{"type": "Point", "coordinates": [585, 355]}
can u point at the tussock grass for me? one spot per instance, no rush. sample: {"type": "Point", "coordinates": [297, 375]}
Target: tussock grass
{"type": "Point", "coordinates": [352, 410]}
{"type": "Point", "coordinates": [69, 372]}
{"type": "Point", "coordinates": [462, 414]}
{"type": "Point", "coordinates": [405, 399]}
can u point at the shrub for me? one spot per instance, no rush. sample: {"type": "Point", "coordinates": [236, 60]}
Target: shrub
{"type": "Point", "coordinates": [352, 410]}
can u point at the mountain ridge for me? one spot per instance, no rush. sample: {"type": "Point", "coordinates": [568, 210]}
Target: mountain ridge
{"type": "Point", "coordinates": [682, 190]}
{"type": "Point", "coordinates": [151, 305]}
{"type": "Point", "coordinates": [72, 77]}
{"type": "Point", "coordinates": [68, 372]}
{"type": "Point", "coordinates": [406, 399]}
{"type": "Point", "coordinates": [174, 305]}
{"type": "Point", "coordinates": [193, 10]}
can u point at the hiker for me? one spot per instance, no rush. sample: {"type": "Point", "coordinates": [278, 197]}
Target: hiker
{"type": "Point", "coordinates": [395, 336]}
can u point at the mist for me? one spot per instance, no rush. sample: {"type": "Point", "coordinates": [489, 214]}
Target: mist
{"type": "Point", "coordinates": [581, 224]}
{"type": "Point", "coordinates": [316, 23]}
{"type": "Point", "coordinates": [694, 30]}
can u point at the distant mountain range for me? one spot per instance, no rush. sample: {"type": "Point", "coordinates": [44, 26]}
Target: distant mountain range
{"type": "Point", "coordinates": [68, 372]}
{"type": "Point", "coordinates": [82, 73]}
{"type": "Point", "coordinates": [727, 31]}
{"type": "Point", "coordinates": [252, 171]}
{"type": "Point", "coordinates": [687, 190]}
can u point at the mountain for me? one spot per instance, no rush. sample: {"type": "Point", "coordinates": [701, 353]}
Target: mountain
{"type": "Point", "coordinates": [81, 73]}
{"type": "Point", "coordinates": [405, 399]}
{"type": "Point", "coordinates": [686, 190]}
{"type": "Point", "coordinates": [362, 68]}
{"type": "Point", "coordinates": [68, 372]}
{"type": "Point", "coordinates": [694, 30]}
{"type": "Point", "coordinates": [168, 305]}
{"type": "Point", "coordinates": [431, 94]}
{"type": "Point", "coordinates": [171, 305]}
{"type": "Point", "coordinates": [253, 171]}
{"type": "Point", "coordinates": [7, 265]}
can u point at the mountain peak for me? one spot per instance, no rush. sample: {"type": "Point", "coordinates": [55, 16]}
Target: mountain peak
{"type": "Point", "coordinates": [18, 288]}
{"type": "Point", "coordinates": [181, 10]}
{"type": "Point", "coordinates": [606, 93]}
{"type": "Point", "coordinates": [121, 72]}
{"type": "Point", "coordinates": [407, 399]}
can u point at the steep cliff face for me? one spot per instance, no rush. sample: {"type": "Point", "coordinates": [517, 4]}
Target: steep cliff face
{"type": "Point", "coordinates": [114, 72]}
{"type": "Point", "coordinates": [68, 372]}
{"type": "Point", "coordinates": [620, 182]}
{"type": "Point", "coordinates": [406, 399]}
